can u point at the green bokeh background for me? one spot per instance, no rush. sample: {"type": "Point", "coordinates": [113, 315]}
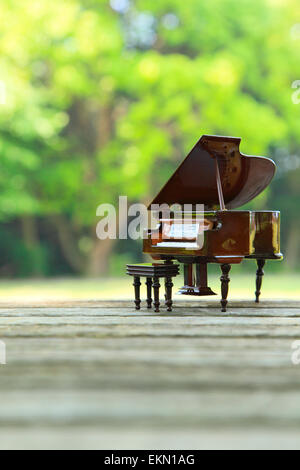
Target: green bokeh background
{"type": "Point", "coordinates": [104, 98]}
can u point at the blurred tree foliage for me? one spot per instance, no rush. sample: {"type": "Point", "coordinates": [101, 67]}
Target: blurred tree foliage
{"type": "Point", "coordinates": [106, 97]}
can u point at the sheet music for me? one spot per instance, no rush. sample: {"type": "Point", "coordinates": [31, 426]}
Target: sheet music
{"type": "Point", "coordinates": [187, 231]}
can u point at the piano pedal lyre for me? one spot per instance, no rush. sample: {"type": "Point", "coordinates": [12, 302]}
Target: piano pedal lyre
{"type": "Point", "coordinates": [195, 285]}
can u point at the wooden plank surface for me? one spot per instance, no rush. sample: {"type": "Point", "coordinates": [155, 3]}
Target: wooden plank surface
{"type": "Point", "coordinates": [101, 375]}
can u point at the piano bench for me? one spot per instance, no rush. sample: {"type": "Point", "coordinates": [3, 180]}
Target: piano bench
{"type": "Point", "coordinates": [153, 272]}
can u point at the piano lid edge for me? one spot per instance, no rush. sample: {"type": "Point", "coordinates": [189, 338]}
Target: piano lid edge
{"type": "Point", "coordinates": [258, 182]}
{"type": "Point", "coordinates": [246, 192]}
{"type": "Point", "coordinates": [203, 138]}
{"type": "Point", "coordinates": [155, 200]}
{"type": "Point", "coordinates": [216, 138]}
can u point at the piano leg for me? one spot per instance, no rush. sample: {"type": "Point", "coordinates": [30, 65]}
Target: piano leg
{"type": "Point", "coordinates": [137, 285]}
{"type": "Point", "coordinates": [149, 292]}
{"type": "Point", "coordinates": [224, 285]}
{"type": "Point", "coordinates": [259, 276]}
{"type": "Point", "coordinates": [169, 284]}
{"type": "Point", "coordinates": [156, 286]}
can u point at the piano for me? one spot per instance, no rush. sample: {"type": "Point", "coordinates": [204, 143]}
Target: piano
{"type": "Point", "coordinates": [196, 221]}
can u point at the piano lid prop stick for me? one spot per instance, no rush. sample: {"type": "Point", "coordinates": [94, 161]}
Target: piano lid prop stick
{"type": "Point", "coordinates": [218, 177]}
{"type": "Point", "coordinates": [219, 185]}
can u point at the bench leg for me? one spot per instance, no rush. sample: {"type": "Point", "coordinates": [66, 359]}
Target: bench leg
{"type": "Point", "coordinates": [137, 285]}
{"type": "Point", "coordinates": [169, 284]}
{"type": "Point", "coordinates": [156, 286]}
{"type": "Point", "coordinates": [224, 285]}
{"type": "Point", "coordinates": [149, 292]}
{"type": "Point", "coordinates": [259, 276]}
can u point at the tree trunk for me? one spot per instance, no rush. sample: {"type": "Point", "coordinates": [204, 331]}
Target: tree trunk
{"type": "Point", "coordinates": [98, 264]}
{"type": "Point", "coordinates": [68, 244]}
{"type": "Point", "coordinates": [99, 258]}
{"type": "Point", "coordinates": [31, 241]}
{"type": "Point", "coordinates": [29, 231]}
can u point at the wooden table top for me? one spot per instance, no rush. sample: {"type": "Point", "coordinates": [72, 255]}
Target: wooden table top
{"type": "Point", "coordinates": [101, 375]}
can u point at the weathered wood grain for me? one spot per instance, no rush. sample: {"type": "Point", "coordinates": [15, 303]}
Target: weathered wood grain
{"type": "Point", "coordinates": [128, 311]}
{"type": "Point", "coordinates": [193, 378]}
{"type": "Point", "coordinates": [181, 303]}
{"type": "Point", "coordinates": [119, 329]}
{"type": "Point", "coordinates": [88, 437]}
{"type": "Point", "coordinates": [128, 408]}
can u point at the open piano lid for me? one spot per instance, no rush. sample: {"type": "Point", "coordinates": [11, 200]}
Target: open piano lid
{"type": "Point", "coordinates": [242, 177]}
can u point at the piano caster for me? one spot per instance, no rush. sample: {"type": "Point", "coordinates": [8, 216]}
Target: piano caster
{"type": "Point", "coordinates": [259, 276]}
{"type": "Point", "coordinates": [225, 285]}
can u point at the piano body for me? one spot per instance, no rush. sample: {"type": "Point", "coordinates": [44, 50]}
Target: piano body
{"type": "Point", "coordinates": [218, 178]}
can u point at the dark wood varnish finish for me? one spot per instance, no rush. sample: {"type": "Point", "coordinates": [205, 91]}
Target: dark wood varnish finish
{"type": "Point", "coordinates": [153, 272]}
{"type": "Point", "coordinates": [149, 292]}
{"type": "Point", "coordinates": [156, 287]}
{"type": "Point", "coordinates": [242, 177]}
{"type": "Point", "coordinates": [225, 285]}
{"type": "Point", "coordinates": [259, 276]}
{"type": "Point", "coordinates": [137, 284]}
{"type": "Point", "coordinates": [168, 286]}
{"type": "Point", "coordinates": [221, 178]}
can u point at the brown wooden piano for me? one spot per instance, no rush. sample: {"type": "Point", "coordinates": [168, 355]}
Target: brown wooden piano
{"type": "Point", "coordinates": [219, 178]}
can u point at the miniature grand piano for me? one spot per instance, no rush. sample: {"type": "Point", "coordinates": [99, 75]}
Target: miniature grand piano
{"type": "Point", "coordinates": [217, 175]}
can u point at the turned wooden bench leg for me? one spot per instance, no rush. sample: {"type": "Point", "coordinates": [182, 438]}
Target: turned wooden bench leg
{"type": "Point", "coordinates": [259, 276]}
{"type": "Point", "coordinates": [169, 284]}
{"type": "Point", "coordinates": [224, 285]}
{"type": "Point", "coordinates": [137, 286]}
{"type": "Point", "coordinates": [149, 292]}
{"type": "Point", "coordinates": [156, 286]}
